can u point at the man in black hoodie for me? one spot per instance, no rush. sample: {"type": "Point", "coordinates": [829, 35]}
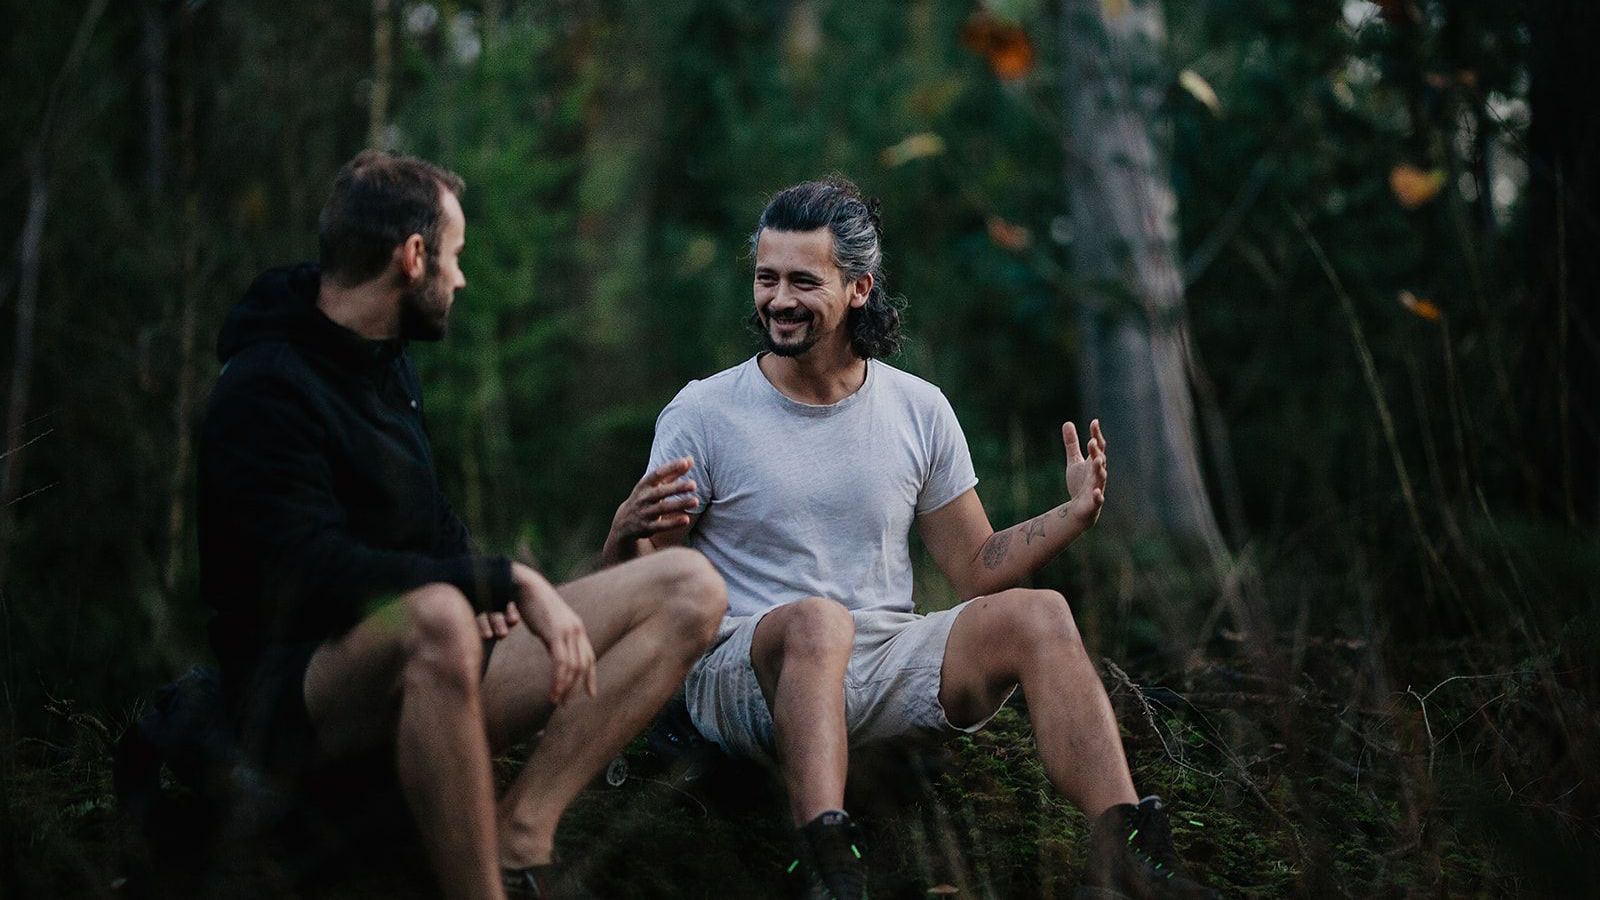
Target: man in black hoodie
{"type": "Point", "coordinates": [353, 619]}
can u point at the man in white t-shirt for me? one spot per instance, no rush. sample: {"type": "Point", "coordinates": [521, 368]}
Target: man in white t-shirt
{"type": "Point", "coordinates": [799, 474]}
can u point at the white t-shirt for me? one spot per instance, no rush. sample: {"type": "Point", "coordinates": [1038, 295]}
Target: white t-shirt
{"type": "Point", "coordinates": [798, 500]}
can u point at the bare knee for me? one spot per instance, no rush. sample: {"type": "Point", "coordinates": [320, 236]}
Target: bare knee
{"type": "Point", "coordinates": [815, 629]}
{"type": "Point", "coordinates": [442, 643]}
{"type": "Point", "coordinates": [693, 595]}
{"type": "Point", "coordinates": [1042, 622]}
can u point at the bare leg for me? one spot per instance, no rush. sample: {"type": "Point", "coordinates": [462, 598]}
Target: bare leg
{"type": "Point", "coordinates": [409, 673]}
{"type": "Point", "coordinates": [1028, 637]}
{"type": "Point", "coordinates": [800, 652]}
{"type": "Point", "coordinates": [649, 620]}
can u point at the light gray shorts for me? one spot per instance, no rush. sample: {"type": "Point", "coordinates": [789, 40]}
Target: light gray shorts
{"type": "Point", "coordinates": [891, 686]}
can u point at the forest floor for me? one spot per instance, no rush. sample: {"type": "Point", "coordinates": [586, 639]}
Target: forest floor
{"type": "Point", "coordinates": [1327, 782]}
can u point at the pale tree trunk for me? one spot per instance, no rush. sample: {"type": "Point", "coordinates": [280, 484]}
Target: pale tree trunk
{"type": "Point", "coordinates": [382, 68]}
{"type": "Point", "coordinates": [30, 249]}
{"type": "Point", "coordinates": [153, 52]}
{"type": "Point", "coordinates": [1125, 251]}
{"type": "Point", "coordinates": [189, 289]}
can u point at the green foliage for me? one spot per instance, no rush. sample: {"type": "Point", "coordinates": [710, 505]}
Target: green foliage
{"type": "Point", "coordinates": [617, 155]}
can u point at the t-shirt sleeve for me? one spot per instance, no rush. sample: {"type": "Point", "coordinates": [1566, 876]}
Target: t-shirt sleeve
{"type": "Point", "coordinates": [950, 472]}
{"type": "Point", "coordinates": [680, 432]}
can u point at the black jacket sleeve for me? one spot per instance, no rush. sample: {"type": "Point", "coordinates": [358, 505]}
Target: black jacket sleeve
{"type": "Point", "coordinates": [272, 485]}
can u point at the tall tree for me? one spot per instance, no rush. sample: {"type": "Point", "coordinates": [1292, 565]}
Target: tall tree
{"type": "Point", "coordinates": [1134, 325]}
{"type": "Point", "coordinates": [1564, 272]}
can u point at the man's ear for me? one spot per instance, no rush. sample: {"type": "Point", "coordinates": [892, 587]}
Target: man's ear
{"type": "Point", "coordinates": [412, 255]}
{"type": "Point", "coordinates": [860, 290]}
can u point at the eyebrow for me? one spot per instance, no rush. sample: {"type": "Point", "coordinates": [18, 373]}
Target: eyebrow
{"type": "Point", "coordinates": [793, 273]}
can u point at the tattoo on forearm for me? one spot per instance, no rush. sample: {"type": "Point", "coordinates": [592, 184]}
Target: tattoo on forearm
{"type": "Point", "coordinates": [1032, 528]}
{"type": "Point", "coordinates": [994, 550]}
{"type": "Point", "coordinates": [1064, 510]}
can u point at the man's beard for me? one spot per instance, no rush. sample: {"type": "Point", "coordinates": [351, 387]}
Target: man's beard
{"type": "Point", "coordinates": [791, 348]}
{"type": "Point", "coordinates": [425, 310]}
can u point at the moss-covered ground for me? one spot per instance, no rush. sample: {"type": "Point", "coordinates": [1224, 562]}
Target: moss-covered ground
{"type": "Point", "coordinates": [1332, 782]}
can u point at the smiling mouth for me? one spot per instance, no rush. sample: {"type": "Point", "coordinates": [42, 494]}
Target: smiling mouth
{"type": "Point", "coordinates": [789, 319]}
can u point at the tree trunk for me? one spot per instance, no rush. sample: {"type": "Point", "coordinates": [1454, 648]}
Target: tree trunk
{"type": "Point", "coordinates": [1133, 319]}
{"type": "Point", "coordinates": [30, 247]}
{"type": "Point", "coordinates": [1562, 369]}
{"type": "Point", "coordinates": [382, 77]}
{"type": "Point", "coordinates": [183, 404]}
{"type": "Point", "coordinates": [153, 51]}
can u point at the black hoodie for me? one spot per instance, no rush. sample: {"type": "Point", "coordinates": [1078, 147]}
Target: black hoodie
{"type": "Point", "coordinates": [318, 496]}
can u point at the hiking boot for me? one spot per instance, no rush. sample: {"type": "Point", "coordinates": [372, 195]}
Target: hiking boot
{"type": "Point", "coordinates": [1131, 857]}
{"type": "Point", "coordinates": [829, 864]}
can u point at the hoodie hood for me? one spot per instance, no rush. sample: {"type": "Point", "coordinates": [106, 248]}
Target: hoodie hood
{"type": "Point", "coordinates": [281, 305]}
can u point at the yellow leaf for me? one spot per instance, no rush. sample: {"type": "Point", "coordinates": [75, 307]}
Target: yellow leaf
{"type": "Point", "coordinates": [1420, 307]}
{"type": "Point", "coordinates": [916, 146]}
{"type": "Point", "coordinates": [1201, 90]}
{"type": "Point", "coordinates": [1414, 187]}
{"type": "Point", "coordinates": [1114, 9]}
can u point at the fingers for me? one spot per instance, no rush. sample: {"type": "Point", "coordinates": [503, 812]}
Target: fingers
{"type": "Point", "coordinates": [496, 625]}
{"type": "Point", "coordinates": [668, 507]}
{"type": "Point", "coordinates": [1097, 437]}
{"type": "Point", "coordinates": [513, 617]}
{"type": "Point", "coordinates": [668, 470]}
{"type": "Point", "coordinates": [590, 681]}
{"type": "Point", "coordinates": [1069, 440]}
{"type": "Point", "coordinates": [669, 489]}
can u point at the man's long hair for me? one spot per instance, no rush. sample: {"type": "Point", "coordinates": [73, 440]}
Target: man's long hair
{"type": "Point", "coordinates": [853, 220]}
{"type": "Point", "coordinates": [378, 200]}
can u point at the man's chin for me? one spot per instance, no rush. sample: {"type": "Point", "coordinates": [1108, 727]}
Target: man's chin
{"type": "Point", "coordinates": [423, 328]}
{"type": "Point", "coordinates": [789, 349]}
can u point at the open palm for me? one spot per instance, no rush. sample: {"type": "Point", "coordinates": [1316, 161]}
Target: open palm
{"type": "Point", "coordinates": [1086, 473]}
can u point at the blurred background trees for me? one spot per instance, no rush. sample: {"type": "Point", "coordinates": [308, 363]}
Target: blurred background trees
{"type": "Point", "coordinates": [1324, 268]}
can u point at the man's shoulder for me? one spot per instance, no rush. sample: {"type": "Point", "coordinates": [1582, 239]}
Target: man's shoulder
{"type": "Point", "coordinates": [911, 388]}
{"type": "Point", "coordinates": [712, 388]}
{"type": "Point", "coordinates": [263, 372]}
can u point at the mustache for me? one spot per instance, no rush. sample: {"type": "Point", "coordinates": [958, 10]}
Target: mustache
{"type": "Point", "coordinates": [793, 315]}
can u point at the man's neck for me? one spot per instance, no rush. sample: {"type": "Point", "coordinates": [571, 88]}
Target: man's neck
{"type": "Point", "coordinates": [370, 309]}
{"type": "Point", "coordinates": [819, 376]}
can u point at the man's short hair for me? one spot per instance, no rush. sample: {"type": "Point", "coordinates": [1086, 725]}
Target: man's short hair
{"type": "Point", "coordinates": [378, 200]}
{"type": "Point", "coordinates": [836, 204]}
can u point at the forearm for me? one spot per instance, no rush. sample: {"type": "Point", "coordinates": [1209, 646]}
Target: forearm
{"type": "Point", "coordinates": [1011, 555]}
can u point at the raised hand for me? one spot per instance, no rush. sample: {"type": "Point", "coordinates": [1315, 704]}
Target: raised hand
{"type": "Point", "coordinates": [1086, 474]}
{"type": "Point", "coordinates": [661, 501]}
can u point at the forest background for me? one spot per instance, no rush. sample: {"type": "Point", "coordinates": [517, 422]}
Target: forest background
{"type": "Point", "coordinates": [1327, 268]}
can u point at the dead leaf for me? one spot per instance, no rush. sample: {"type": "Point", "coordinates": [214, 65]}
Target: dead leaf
{"type": "Point", "coordinates": [1414, 187]}
{"type": "Point", "coordinates": [1114, 9]}
{"type": "Point", "coordinates": [1420, 307]}
{"type": "Point", "coordinates": [1201, 90]}
{"type": "Point", "coordinates": [1008, 236]}
{"type": "Point", "coordinates": [916, 146]}
{"type": "Point", "coordinates": [944, 890]}
{"type": "Point", "coordinates": [1004, 44]}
